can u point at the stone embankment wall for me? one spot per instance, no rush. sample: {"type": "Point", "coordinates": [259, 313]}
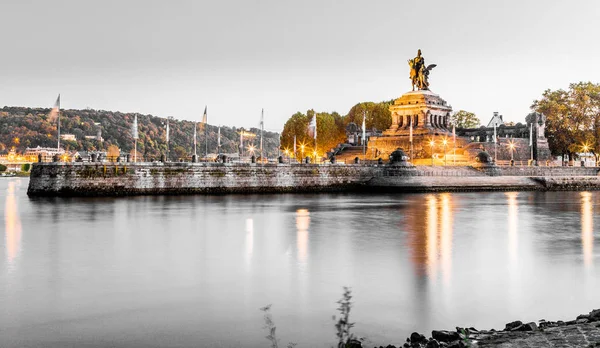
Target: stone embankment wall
{"type": "Point", "coordinates": [120, 179]}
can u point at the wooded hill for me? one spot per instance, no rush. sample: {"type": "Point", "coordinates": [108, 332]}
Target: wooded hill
{"type": "Point", "coordinates": [22, 127]}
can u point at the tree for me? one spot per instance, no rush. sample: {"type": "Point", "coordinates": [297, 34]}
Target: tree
{"type": "Point", "coordinates": [378, 115]}
{"type": "Point", "coordinates": [297, 126]}
{"type": "Point", "coordinates": [465, 119]}
{"type": "Point", "coordinates": [572, 118]}
{"type": "Point", "coordinates": [113, 152]}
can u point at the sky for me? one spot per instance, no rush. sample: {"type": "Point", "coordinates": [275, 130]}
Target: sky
{"type": "Point", "coordinates": [171, 58]}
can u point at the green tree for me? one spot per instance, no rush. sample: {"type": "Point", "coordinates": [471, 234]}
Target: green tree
{"type": "Point", "coordinates": [465, 119]}
{"type": "Point", "coordinates": [572, 118]}
{"type": "Point", "coordinates": [378, 115]}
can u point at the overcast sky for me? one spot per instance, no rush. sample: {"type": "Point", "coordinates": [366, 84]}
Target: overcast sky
{"type": "Point", "coordinates": [171, 58]}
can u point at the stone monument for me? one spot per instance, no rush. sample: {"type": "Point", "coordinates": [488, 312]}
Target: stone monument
{"type": "Point", "coordinates": [418, 115]}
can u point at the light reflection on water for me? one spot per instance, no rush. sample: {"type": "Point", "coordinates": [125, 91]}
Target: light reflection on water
{"type": "Point", "coordinates": [194, 270]}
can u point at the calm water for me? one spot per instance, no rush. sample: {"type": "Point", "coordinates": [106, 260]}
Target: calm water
{"type": "Point", "coordinates": [193, 271]}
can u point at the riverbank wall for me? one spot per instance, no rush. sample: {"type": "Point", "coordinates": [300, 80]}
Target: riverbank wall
{"type": "Point", "coordinates": [122, 179]}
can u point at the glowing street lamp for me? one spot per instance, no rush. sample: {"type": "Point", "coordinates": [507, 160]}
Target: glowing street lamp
{"type": "Point", "coordinates": [302, 150]}
{"type": "Point", "coordinates": [511, 147]}
{"type": "Point", "coordinates": [431, 143]}
{"type": "Point", "coordinates": [315, 156]}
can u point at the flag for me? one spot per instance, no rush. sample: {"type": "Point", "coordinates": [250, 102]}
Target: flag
{"type": "Point", "coordinates": [531, 134]}
{"type": "Point", "coordinates": [134, 128]}
{"type": "Point", "coordinates": [495, 137]}
{"type": "Point", "coordinates": [219, 138]}
{"type": "Point", "coordinates": [167, 132]}
{"type": "Point", "coordinates": [57, 104]}
{"type": "Point", "coordinates": [312, 127]}
{"type": "Point", "coordinates": [204, 116]}
{"type": "Point", "coordinates": [364, 128]}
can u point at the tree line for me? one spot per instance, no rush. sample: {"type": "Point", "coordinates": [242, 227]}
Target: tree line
{"type": "Point", "coordinates": [22, 127]}
{"type": "Point", "coordinates": [331, 127]}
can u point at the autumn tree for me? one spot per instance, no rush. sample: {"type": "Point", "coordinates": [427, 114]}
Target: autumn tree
{"type": "Point", "coordinates": [113, 152]}
{"type": "Point", "coordinates": [572, 118]}
{"type": "Point", "coordinates": [465, 119]}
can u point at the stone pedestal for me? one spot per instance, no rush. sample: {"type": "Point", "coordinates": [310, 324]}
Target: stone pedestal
{"type": "Point", "coordinates": [425, 110]}
{"type": "Point", "coordinates": [430, 118]}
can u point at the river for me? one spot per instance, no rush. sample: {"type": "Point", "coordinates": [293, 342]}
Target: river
{"type": "Point", "coordinates": [193, 271]}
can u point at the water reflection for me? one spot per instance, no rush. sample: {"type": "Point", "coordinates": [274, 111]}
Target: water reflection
{"type": "Point", "coordinates": [12, 224]}
{"type": "Point", "coordinates": [513, 222]}
{"type": "Point", "coordinates": [302, 224]}
{"type": "Point", "coordinates": [438, 245]}
{"type": "Point", "coordinates": [446, 225]}
{"type": "Point", "coordinates": [587, 228]}
{"type": "Point", "coordinates": [249, 241]}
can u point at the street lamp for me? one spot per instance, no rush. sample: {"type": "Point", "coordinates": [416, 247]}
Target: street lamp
{"type": "Point", "coordinates": [445, 142]}
{"type": "Point", "coordinates": [431, 143]}
{"type": "Point", "coordinates": [315, 155]}
{"type": "Point", "coordinates": [302, 151]}
{"type": "Point", "coordinates": [511, 146]}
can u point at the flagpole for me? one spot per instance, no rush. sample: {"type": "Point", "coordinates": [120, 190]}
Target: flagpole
{"type": "Point", "coordinates": [495, 144]}
{"type": "Point", "coordinates": [195, 141]}
{"type": "Point", "coordinates": [364, 134]}
{"type": "Point", "coordinates": [531, 140]}
{"type": "Point", "coordinates": [135, 138]}
{"type": "Point", "coordinates": [454, 141]}
{"type": "Point", "coordinates": [167, 159]}
{"type": "Point", "coordinates": [411, 138]}
{"type": "Point", "coordinates": [262, 121]}
{"type": "Point", "coordinates": [58, 113]}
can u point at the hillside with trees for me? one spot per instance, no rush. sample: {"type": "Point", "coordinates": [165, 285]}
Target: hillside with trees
{"type": "Point", "coordinates": [22, 127]}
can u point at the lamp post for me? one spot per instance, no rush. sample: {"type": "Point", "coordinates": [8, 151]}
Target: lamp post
{"type": "Point", "coordinates": [585, 150]}
{"type": "Point", "coordinates": [315, 156]}
{"type": "Point", "coordinates": [302, 151]}
{"type": "Point", "coordinates": [432, 143]}
{"type": "Point", "coordinates": [445, 142]}
{"type": "Point", "coordinates": [511, 147]}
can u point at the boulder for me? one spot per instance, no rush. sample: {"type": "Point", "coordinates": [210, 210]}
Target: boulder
{"type": "Point", "coordinates": [530, 327]}
{"type": "Point", "coordinates": [445, 336]}
{"type": "Point", "coordinates": [595, 315]}
{"type": "Point", "coordinates": [416, 337]}
{"type": "Point", "coordinates": [513, 325]}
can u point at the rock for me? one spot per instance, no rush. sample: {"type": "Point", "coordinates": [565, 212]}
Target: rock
{"type": "Point", "coordinates": [570, 322]}
{"type": "Point", "coordinates": [530, 327]}
{"type": "Point", "coordinates": [457, 344]}
{"type": "Point", "coordinates": [416, 337]}
{"type": "Point", "coordinates": [583, 316]}
{"type": "Point", "coordinates": [582, 321]}
{"type": "Point", "coordinates": [353, 344]}
{"type": "Point", "coordinates": [406, 345]}
{"type": "Point", "coordinates": [560, 323]}
{"type": "Point", "coordinates": [390, 346]}
{"type": "Point", "coordinates": [432, 344]}
{"type": "Point", "coordinates": [445, 336]}
{"type": "Point", "coordinates": [595, 315]}
{"type": "Point", "coordinates": [518, 328]}
{"type": "Point", "coordinates": [514, 324]}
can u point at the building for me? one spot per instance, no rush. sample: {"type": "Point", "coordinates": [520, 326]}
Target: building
{"type": "Point", "coordinates": [70, 137]}
{"type": "Point", "coordinates": [47, 153]}
{"type": "Point", "coordinates": [496, 120]}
